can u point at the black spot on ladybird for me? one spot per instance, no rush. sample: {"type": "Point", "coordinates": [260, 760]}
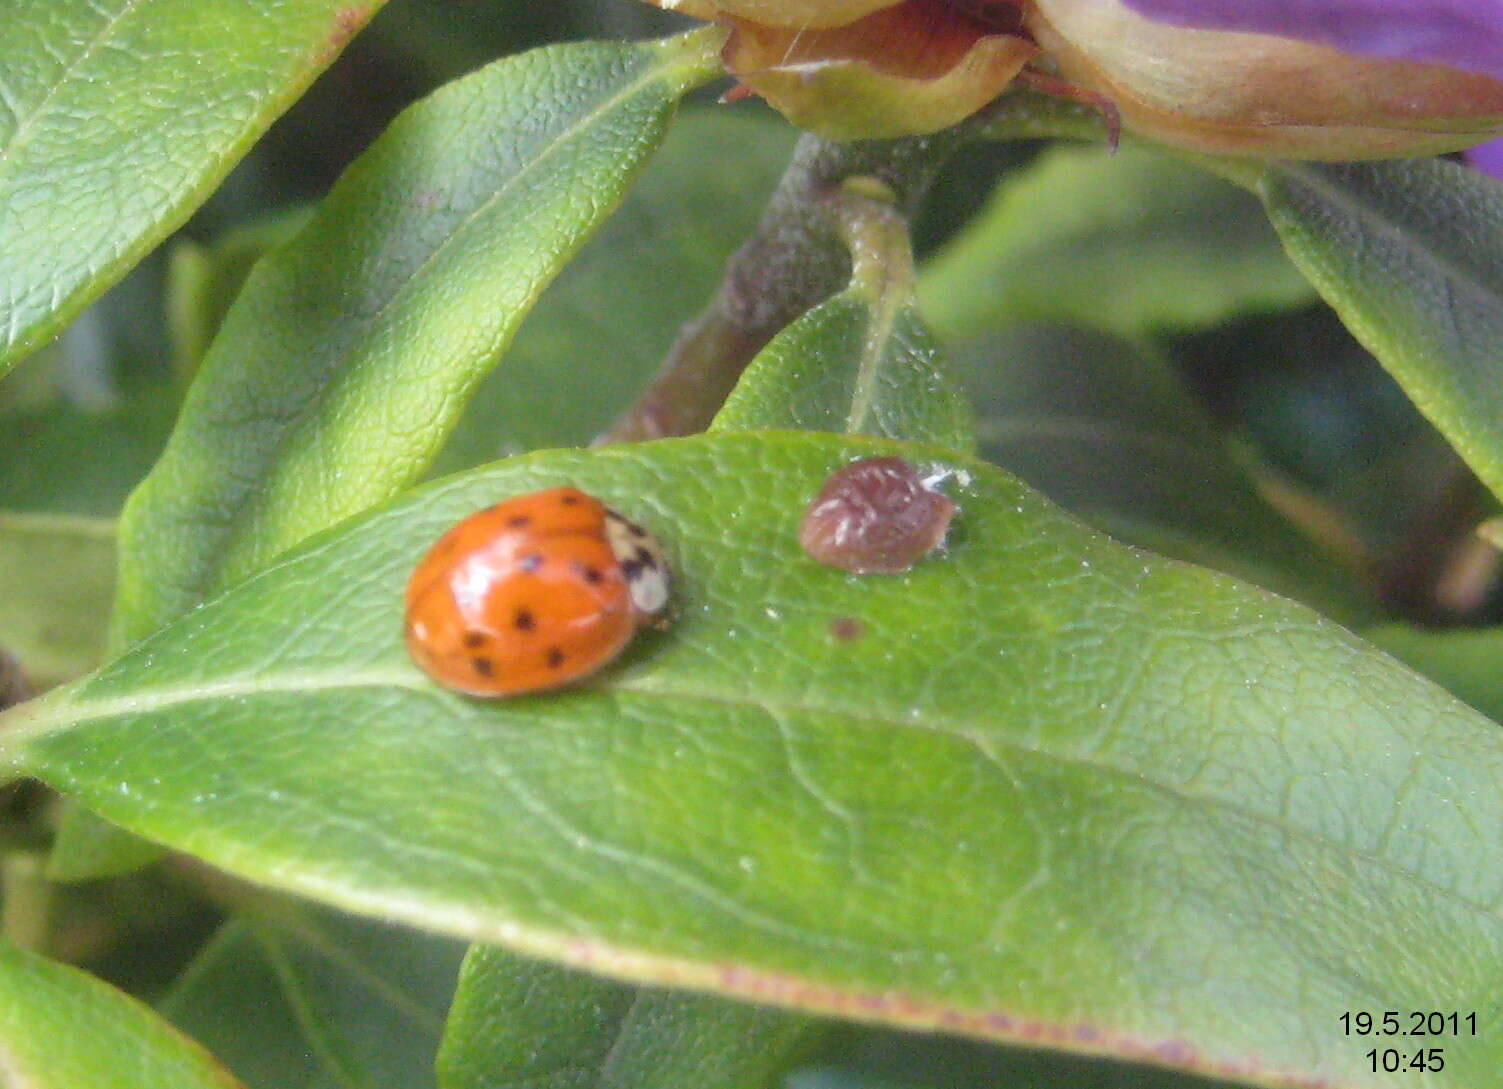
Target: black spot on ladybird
{"type": "Point", "coordinates": [590, 574]}
{"type": "Point", "coordinates": [569, 500]}
{"type": "Point", "coordinates": [483, 666]}
{"type": "Point", "coordinates": [530, 562]}
{"type": "Point", "coordinates": [554, 657]}
{"type": "Point", "coordinates": [517, 521]}
{"type": "Point", "coordinates": [474, 640]}
{"type": "Point", "coordinates": [523, 620]}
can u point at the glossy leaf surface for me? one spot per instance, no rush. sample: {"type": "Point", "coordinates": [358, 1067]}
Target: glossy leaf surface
{"type": "Point", "coordinates": [117, 117]}
{"type": "Point", "coordinates": [1052, 790]}
{"type": "Point", "coordinates": [412, 276]}
{"type": "Point", "coordinates": [63, 1029]}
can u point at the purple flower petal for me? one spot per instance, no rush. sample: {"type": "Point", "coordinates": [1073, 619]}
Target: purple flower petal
{"type": "Point", "coordinates": [1488, 158]}
{"type": "Point", "coordinates": [1459, 33]}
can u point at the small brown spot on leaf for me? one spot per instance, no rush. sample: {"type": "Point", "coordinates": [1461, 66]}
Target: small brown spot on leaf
{"type": "Point", "coordinates": [847, 628]}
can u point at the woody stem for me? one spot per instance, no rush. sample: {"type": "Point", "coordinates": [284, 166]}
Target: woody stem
{"type": "Point", "coordinates": [794, 260]}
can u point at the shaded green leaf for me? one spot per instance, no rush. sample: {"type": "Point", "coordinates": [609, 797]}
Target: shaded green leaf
{"type": "Point", "coordinates": [82, 420]}
{"type": "Point", "coordinates": [57, 574]}
{"type": "Point", "coordinates": [1106, 429]}
{"type": "Point", "coordinates": [349, 353]}
{"type": "Point", "coordinates": [1466, 662]}
{"type": "Point", "coordinates": [63, 1029]}
{"type": "Point", "coordinates": [1130, 244]}
{"type": "Point", "coordinates": [87, 847]}
{"type": "Point", "coordinates": [596, 335]}
{"type": "Point", "coordinates": [862, 363]}
{"type": "Point", "coordinates": [301, 998]}
{"type": "Point", "coordinates": [877, 1059]}
{"type": "Point", "coordinates": [71, 460]}
{"type": "Point", "coordinates": [521, 1024]}
{"type": "Point", "coordinates": [1055, 790]}
{"type": "Point", "coordinates": [117, 117]}
{"type": "Point", "coordinates": [855, 365]}
{"type": "Point", "coordinates": [1408, 253]}
{"type": "Point", "coordinates": [204, 278]}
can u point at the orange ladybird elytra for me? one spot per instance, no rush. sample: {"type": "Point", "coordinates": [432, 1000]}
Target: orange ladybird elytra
{"type": "Point", "coordinates": [533, 593]}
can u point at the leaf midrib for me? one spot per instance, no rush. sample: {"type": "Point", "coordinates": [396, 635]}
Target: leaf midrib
{"type": "Point", "coordinates": [1373, 217]}
{"type": "Point", "coordinates": [32, 725]}
{"type": "Point", "coordinates": [236, 533]}
{"type": "Point", "coordinates": [90, 48]}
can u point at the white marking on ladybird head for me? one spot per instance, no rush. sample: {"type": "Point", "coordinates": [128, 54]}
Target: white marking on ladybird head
{"type": "Point", "coordinates": [643, 563]}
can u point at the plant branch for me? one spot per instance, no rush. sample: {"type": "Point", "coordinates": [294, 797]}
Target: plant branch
{"type": "Point", "coordinates": [794, 260]}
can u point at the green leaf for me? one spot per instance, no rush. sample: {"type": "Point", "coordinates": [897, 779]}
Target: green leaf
{"type": "Point", "coordinates": [77, 461]}
{"type": "Point", "coordinates": [1408, 253]}
{"type": "Point", "coordinates": [1130, 244]}
{"type": "Point", "coordinates": [863, 362]}
{"type": "Point", "coordinates": [203, 280]}
{"type": "Point", "coordinates": [118, 117]}
{"type": "Point", "coordinates": [57, 574]}
{"type": "Point", "coordinates": [302, 997]}
{"type": "Point", "coordinates": [596, 336]}
{"type": "Point", "coordinates": [87, 847]}
{"type": "Point", "coordinates": [83, 419]}
{"type": "Point", "coordinates": [1106, 429]}
{"type": "Point", "coordinates": [1055, 790]}
{"type": "Point", "coordinates": [63, 1029]}
{"type": "Point", "coordinates": [517, 1023]}
{"type": "Point", "coordinates": [350, 352]}
{"type": "Point", "coordinates": [856, 365]}
{"type": "Point", "coordinates": [884, 1059]}
{"type": "Point", "coordinates": [1463, 661]}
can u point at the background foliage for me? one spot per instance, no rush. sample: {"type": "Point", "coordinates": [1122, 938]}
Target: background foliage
{"type": "Point", "coordinates": [1166, 814]}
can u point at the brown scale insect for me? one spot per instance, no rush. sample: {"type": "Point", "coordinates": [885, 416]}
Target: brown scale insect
{"type": "Point", "coordinates": [875, 516]}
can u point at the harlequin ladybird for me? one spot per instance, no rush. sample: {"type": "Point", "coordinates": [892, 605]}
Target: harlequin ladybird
{"type": "Point", "coordinates": [533, 593]}
{"type": "Point", "coordinates": [875, 516]}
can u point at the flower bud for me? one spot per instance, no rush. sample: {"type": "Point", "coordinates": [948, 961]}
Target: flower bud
{"type": "Point", "coordinates": [867, 69]}
{"type": "Point", "coordinates": [1256, 94]}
